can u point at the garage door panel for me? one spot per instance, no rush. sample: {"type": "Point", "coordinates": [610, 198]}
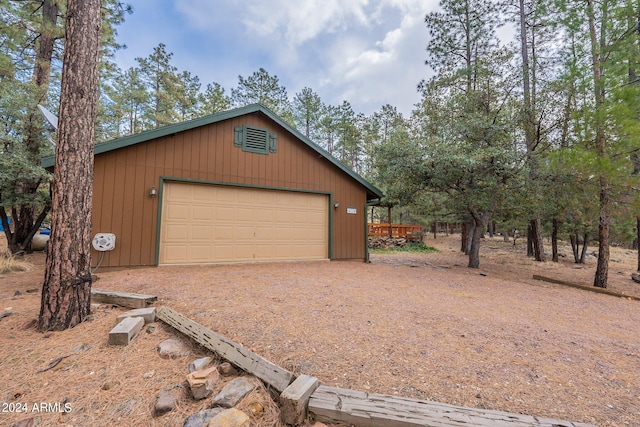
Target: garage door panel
{"type": "Point", "coordinates": [211, 223]}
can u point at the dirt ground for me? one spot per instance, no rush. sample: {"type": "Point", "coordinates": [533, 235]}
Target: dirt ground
{"type": "Point", "coordinates": [416, 325]}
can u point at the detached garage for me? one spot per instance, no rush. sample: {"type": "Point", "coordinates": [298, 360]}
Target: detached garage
{"type": "Point", "coordinates": [239, 186]}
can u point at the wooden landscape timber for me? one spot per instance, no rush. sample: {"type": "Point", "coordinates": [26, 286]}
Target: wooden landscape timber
{"type": "Point", "coordinates": [270, 373]}
{"type": "Point", "coordinates": [326, 404]}
{"type": "Point", "coordinates": [295, 398]}
{"type": "Point", "coordinates": [586, 287]}
{"type": "Point", "coordinates": [337, 405]}
{"type": "Point", "coordinates": [124, 299]}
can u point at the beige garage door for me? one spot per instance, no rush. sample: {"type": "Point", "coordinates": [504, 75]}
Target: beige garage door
{"type": "Point", "coordinates": [212, 223]}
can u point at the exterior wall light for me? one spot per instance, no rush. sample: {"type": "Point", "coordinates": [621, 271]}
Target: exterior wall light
{"type": "Point", "coordinates": [336, 205]}
{"type": "Point", "coordinates": [152, 192]}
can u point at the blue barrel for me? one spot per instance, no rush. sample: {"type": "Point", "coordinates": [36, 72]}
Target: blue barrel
{"type": "Point", "coordinates": [1, 227]}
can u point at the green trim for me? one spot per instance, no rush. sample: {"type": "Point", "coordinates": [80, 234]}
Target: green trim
{"type": "Point", "coordinates": [159, 216]}
{"type": "Point", "coordinates": [366, 228]}
{"type": "Point", "coordinates": [235, 184]}
{"type": "Point", "coordinates": [115, 144]}
{"type": "Point", "coordinates": [331, 209]}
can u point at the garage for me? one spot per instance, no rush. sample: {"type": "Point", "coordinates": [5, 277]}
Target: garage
{"type": "Point", "coordinates": [238, 186]}
{"type": "Point", "coordinates": [205, 223]}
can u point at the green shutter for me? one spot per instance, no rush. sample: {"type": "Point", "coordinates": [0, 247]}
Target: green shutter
{"type": "Point", "coordinates": [272, 142]}
{"type": "Point", "coordinates": [238, 136]}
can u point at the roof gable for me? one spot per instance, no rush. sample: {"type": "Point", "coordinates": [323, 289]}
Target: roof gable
{"type": "Point", "coordinates": [129, 140]}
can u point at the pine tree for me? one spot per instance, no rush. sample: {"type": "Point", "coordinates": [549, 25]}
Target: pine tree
{"type": "Point", "coordinates": [66, 293]}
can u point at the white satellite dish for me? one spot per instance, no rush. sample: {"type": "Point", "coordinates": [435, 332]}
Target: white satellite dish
{"type": "Point", "coordinates": [52, 119]}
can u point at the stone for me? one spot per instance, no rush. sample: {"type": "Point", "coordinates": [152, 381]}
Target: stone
{"type": "Point", "coordinates": [151, 329]}
{"type": "Point", "coordinates": [173, 348]}
{"type": "Point", "coordinates": [234, 392]}
{"type": "Point", "coordinates": [17, 293]}
{"type": "Point", "coordinates": [227, 369]}
{"type": "Point", "coordinates": [149, 374]}
{"type": "Point", "coordinates": [199, 364]}
{"type": "Point", "coordinates": [125, 408]}
{"type": "Point", "coordinates": [29, 422]}
{"type": "Point", "coordinates": [230, 418]}
{"type": "Point", "coordinates": [202, 418]}
{"type": "Point", "coordinates": [202, 382]}
{"type": "Point", "coordinates": [108, 385]}
{"type": "Point", "coordinates": [166, 402]}
{"type": "Point", "coordinates": [635, 277]}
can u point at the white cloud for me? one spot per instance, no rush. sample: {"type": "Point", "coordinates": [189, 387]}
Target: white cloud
{"type": "Point", "coordinates": [368, 52]}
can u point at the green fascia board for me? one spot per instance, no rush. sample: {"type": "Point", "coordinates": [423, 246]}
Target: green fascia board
{"type": "Point", "coordinates": [115, 144]}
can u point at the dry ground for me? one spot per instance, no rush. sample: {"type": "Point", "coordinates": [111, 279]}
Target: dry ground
{"type": "Point", "coordinates": [421, 326]}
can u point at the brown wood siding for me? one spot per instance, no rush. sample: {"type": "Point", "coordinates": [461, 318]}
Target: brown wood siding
{"type": "Point", "coordinates": [124, 177]}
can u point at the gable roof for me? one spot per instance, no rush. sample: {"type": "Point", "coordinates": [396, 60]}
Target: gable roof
{"type": "Point", "coordinates": [128, 140]}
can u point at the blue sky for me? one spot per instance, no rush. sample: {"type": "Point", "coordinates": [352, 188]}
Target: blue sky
{"type": "Point", "coordinates": [368, 52]}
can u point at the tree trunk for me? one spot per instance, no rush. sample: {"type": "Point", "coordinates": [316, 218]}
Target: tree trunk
{"type": "Point", "coordinates": [464, 237]}
{"type": "Point", "coordinates": [575, 248]}
{"type": "Point", "coordinates": [554, 240]}
{"type": "Point", "coordinates": [66, 292]}
{"type": "Point", "coordinates": [536, 237]}
{"type": "Point", "coordinates": [474, 250]}
{"type": "Point", "coordinates": [585, 239]}
{"type": "Point", "coordinates": [529, 240]}
{"type": "Point", "coordinates": [479, 221]}
{"type": "Point", "coordinates": [471, 229]}
{"type": "Point", "coordinates": [638, 239]}
{"type": "Point", "coordinates": [597, 47]}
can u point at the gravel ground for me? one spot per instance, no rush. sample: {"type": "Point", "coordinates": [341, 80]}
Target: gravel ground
{"type": "Point", "coordinates": [415, 325]}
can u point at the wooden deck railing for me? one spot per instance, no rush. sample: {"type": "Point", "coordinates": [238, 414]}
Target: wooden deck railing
{"type": "Point", "coordinates": [394, 230]}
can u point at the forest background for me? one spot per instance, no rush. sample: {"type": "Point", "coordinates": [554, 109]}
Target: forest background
{"type": "Point", "coordinates": [538, 134]}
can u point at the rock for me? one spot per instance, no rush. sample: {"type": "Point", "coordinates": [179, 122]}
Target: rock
{"type": "Point", "coordinates": [256, 410]}
{"type": "Point", "coordinates": [616, 260]}
{"type": "Point", "coordinates": [151, 329]}
{"type": "Point", "coordinates": [32, 291]}
{"type": "Point", "coordinates": [166, 402]}
{"type": "Point", "coordinates": [318, 424]}
{"type": "Point", "coordinates": [230, 418]}
{"type": "Point", "coordinates": [17, 293]}
{"type": "Point", "coordinates": [199, 364]}
{"type": "Point", "coordinates": [233, 392]}
{"type": "Point", "coordinates": [108, 385]}
{"type": "Point", "coordinates": [227, 369]}
{"type": "Point", "coordinates": [173, 348]}
{"type": "Point", "coordinates": [125, 408]}
{"type": "Point", "coordinates": [148, 374]}
{"type": "Point", "coordinates": [29, 422]}
{"type": "Point", "coordinates": [202, 418]}
{"type": "Point", "coordinates": [635, 277]}
{"type": "Point", "coordinates": [202, 382]}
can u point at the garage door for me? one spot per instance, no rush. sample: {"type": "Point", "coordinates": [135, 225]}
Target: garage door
{"type": "Point", "coordinates": [212, 223]}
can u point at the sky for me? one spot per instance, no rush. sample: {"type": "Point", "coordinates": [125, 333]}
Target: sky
{"type": "Point", "coordinates": [367, 52]}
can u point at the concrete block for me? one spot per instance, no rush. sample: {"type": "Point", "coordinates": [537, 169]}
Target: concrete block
{"type": "Point", "coordinates": [124, 332]}
{"type": "Point", "coordinates": [148, 314]}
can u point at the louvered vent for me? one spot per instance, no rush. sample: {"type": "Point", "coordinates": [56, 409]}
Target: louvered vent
{"type": "Point", "coordinates": [256, 140]}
